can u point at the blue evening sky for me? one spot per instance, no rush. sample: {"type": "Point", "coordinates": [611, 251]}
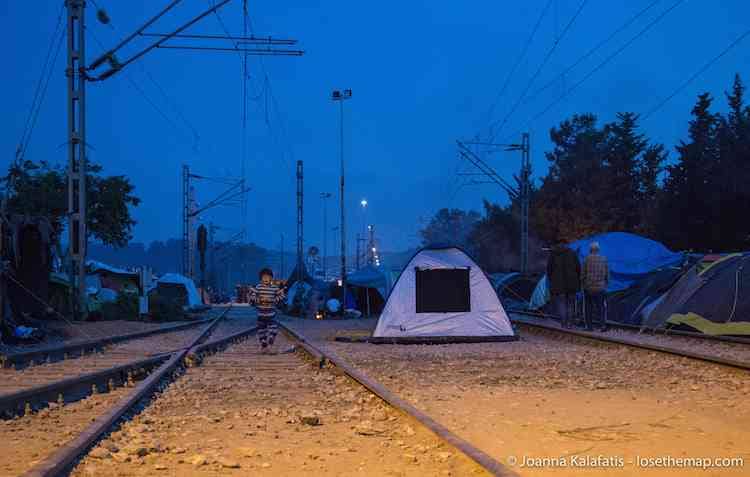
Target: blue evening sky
{"type": "Point", "coordinates": [423, 74]}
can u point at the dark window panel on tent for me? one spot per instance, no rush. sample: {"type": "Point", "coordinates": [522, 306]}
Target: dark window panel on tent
{"type": "Point", "coordinates": [443, 291]}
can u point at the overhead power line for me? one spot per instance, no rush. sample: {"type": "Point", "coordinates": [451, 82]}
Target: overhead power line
{"type": "Point", "coordinates": [493, 133]}
{"type": "Point", "coordinates": [696, 74]}
{"type": "Point", "coordinates": [521, 56]}
{"type": "Point", "coordinates": [602, 64]}
{"type": "Point", "coordinates": [40, 91]}
{"type": "Point", "coordinates": [596, 48]}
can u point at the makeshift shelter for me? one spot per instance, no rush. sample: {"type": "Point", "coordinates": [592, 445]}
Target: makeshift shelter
{"type": "Point", "coordinates": [631, 258]}
{"type": "Point", "coordinates": [630, 305]}
{"type": "Point", "coordinates": [443, 295]}
{"type": "Point", "coordinates": [298, 275]}
{"type": "Point", "coordinates": [370, 285]}
{"type": "Point", "coordinates": [178, 288]}
{"type": "Point", "coordinates": [30, 259]}
{"type": "Point", "coordinates": [514, 289]}
{"type": "Point", "coordinates": [113, 278]}
{"type": "Point", "coordinates": [712, 297]}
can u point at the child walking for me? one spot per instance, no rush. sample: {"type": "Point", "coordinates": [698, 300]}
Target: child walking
{"type": "Point", "coordinates": [265, 296]}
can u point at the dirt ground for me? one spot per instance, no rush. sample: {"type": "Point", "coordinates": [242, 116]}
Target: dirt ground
{"type": "Point", "coordinates": [587, 409]}
{"type": "Point", "coordinates": [30, 439]}
{"type": "Point", "coordinates": [242, 413]}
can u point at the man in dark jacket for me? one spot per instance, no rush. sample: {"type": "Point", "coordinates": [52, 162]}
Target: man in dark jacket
{"type": "Point", "coordinates": [564, 279]}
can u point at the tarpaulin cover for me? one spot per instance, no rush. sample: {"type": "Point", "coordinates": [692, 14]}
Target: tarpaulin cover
{"type": "Point", "coordinates": [485, 318]}
{"type": "Point", "coordinates": [194, 299]}
{"type": "Point", "coordinates": [630, 257]}
{"type": "Point", "coordinates": [371, 277]}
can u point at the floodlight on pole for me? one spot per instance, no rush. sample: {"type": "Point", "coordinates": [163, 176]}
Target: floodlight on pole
{"type": "Point", "coordinates": [340, 96]}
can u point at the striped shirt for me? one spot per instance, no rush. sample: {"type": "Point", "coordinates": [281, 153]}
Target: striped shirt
{"type": "Point", "coordinates": [265, 298]}
{"type": "Point", "coordinates": [595, 273]}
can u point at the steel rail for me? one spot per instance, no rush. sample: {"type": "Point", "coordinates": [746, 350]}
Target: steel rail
{"type": "Point", "coordinates": [73, 388]}
{"type": "Point", "coordinates": [57, 353]}
{"type": "Point", "coordinates": [65, 457]}
{"type": "Point", "coordinates": [656, 331]}
{"type": "Point", "coordinates": [648, 347]}
{"type": "Point", "coordinates": [484, 460]}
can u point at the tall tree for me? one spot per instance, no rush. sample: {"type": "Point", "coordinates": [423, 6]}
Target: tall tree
{"type": "Point", "coordinates": [600, 179]}
{"type": "Point", "coordinates": [451, 226]}
{"type": "Point", "coordinates": [690, 202]}
{"type": "Point", "coordinates": [41, 189]}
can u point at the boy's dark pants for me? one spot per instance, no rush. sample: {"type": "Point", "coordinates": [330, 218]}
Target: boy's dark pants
{"type": "Point", "coordinates": [267, 330]}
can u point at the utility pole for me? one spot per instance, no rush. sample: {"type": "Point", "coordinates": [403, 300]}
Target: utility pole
{"type": "Point", "coordinates": [359, 251]}
{"type": "Point", "coordinates": [186, 251]}
{"type": "Point", "coordinates": [300, 222]}
{"type": "Point", "coordinates": [525, 187]}
{"type": "Point", "coordinates": [371, 246]}
{"type": "Point", "coordinates": [341, 96]}
{"type": "Point", "coordinates": [521, 192]}
{"type": "Point", "coordinates": [76, 73]}
{"type": "Point", "coordinates": [325, 196]}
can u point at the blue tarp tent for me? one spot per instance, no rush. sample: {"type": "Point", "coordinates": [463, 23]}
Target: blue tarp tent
{"type": "Point", "coordinates": [631, 258]}
{"type": "Point", "coordinates": [372, 277]}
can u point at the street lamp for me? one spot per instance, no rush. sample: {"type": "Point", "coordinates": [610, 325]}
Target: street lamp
{"type": "Point", "coordinates": [325, 196]}
{"type": "Point", "coordinates": [341, 96]}
{"type": "Point", "coordinates": [363, 203]}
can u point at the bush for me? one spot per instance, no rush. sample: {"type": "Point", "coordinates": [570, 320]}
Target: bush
{"type": "Point", "coordinates": [125, 307]}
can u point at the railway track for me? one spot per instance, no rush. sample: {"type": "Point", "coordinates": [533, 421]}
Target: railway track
{"type": "Point", "coordinates": [47, 442]}
{"type": "Point", "coordinates": [648, 331]}
{"type": "Point", "coordinates": [203, 414]}
{"type": "Point", "coordinates": [49, 354]}
{"type": "Point", "coordinates": [33, 387]}
{"type": "Point", "coordinates": [680, 345]}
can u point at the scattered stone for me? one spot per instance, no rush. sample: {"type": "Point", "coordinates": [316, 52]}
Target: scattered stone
{"type": "Point", "coordinates": [408, 430]}
{"type": "Point", "coordinates": [160, 467]}
{"type": "Point", "coordinates": [100, 453]}
{"type": "Point", "coordinates": [121, 457]}
{"type": "Point", "coordinates": [110, 446]}
{"type": "Point", "coordinates": [247, 451]}
{"type": "Point", "coordinates": [228, 463]}
{"type": "Point", "coordinates": [136, 450]}
{"type": "Point", "coordinates": [310, 419]}
{"type": "Point", "coordinates": [198, 460]}
{"type": "Point", "coordinates": [265, 465]}
{"type": "Point", "coordinates": [179, 450]}
{"type": "Point", "coordinates": [366, 428]}
{"type": "Point", "coordinates": [379, 415]}
{"type": "Point", "coordinates": [444, 456]}
{"type": "Point", "coordinates": [410, 458]}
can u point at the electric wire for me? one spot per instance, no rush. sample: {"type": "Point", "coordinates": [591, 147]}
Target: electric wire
{"type": "Point", "coordinates": [695, 75]}
{"type": "Point", "coordinates": [521, 56]}
{"type": "Point", "coordinates": [597, 47]}
{"type": "Point", "coordinates": [41, 85]}
{"type": "Point", "coordinates": [600, 65]}
{"type": "Point", "coordinates": [547, 57]}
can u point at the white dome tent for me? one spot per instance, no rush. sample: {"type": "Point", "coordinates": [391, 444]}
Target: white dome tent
{"type": "Point", "coordinates": [442, 296]}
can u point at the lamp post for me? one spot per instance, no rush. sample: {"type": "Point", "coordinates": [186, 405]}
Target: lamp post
{"type": "Point", "coordinates": [363, 203]}
{"type": "Point", "coordinates": [325, 196]}
{"type": "Point", "coordinates": [341, 96]}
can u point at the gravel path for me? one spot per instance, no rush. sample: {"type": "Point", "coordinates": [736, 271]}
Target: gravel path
{"type": "Point", "coordinates": [242, 413]}
{"type": "Point", "coordinates": [122, 353]}
{"type": "Point", "coordinates": [551, 397]}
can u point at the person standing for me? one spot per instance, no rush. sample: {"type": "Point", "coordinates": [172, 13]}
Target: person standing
{"type": "Point", "coordinates": [595, 282]}
{"type": "Point", "coordinates": [564, 276]}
